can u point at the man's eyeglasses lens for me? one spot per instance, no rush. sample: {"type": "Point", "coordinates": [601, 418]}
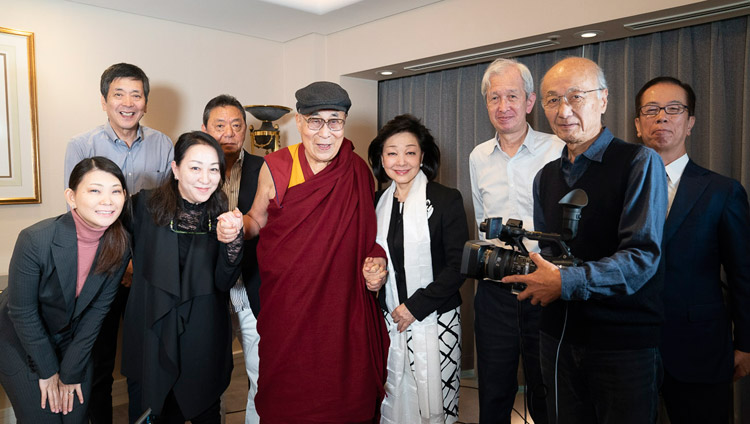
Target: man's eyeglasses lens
{"type": "Point", "coordinates": [574, 98]}
{"type": "Point", "coordinates": [651, 110]}
{"type": "Point", "coordinates": [317, 123]}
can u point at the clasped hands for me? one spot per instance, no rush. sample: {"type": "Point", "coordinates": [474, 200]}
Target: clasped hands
{"type": "Point", "coordinates": [59, 394]}
{"type": "Point", "coordinates": [229, 226]}
{"type": "Point", "coordinates": [375, 271]}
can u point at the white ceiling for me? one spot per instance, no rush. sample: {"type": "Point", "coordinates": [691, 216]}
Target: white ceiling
{"type": "Point", "coordinates": [261, 19]}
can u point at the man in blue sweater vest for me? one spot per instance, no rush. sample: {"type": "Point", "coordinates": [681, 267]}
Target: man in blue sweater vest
{"type": "Point", "coordinates": [600, 322]}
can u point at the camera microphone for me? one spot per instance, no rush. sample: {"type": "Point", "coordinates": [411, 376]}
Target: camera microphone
{"type": "Point", "coordinates": [572, 203]}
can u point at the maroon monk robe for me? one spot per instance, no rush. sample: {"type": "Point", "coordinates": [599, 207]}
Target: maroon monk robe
{"type": "Point", "coordinates": [323, 343]}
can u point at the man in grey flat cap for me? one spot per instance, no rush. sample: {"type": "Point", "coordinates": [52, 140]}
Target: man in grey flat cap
{"type": "Point", "coordinates": [324, 344]}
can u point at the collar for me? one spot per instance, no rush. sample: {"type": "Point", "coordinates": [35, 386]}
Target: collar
{"type": "Point", "coordinates": [531, 142]}
{"type": "Point", "coordinates": [595, 152]}
{"type": "Point", "coordinates": [113, 135]}
{"type": "Point", "coordinates": [676, 168]}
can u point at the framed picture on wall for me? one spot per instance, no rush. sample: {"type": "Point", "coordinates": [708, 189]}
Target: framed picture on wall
{"type": "Point", "coordinates": [19, 143]}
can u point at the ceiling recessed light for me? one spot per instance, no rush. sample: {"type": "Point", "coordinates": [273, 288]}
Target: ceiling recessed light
{"type": "Point", "coordinates": [386, 73]}
{"type": "Point", "coordinates": [318, 7]}
{"type": "Point", "coordinates": [589, 33]}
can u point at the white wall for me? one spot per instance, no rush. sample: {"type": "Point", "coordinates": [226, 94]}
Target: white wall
{"type": "Point", "coordinates": [188, 65]}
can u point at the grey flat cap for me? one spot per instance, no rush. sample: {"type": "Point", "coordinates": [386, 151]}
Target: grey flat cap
{"type": "Point", "coordinates": [322, 95]}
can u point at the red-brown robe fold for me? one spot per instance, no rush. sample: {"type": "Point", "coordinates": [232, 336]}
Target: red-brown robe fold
{"type": "Point", "coordinates": [323, 343]}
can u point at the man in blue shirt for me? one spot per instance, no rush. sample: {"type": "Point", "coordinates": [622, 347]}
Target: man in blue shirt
{"type": "Point", "coordinates": [600, 321]}
{"type": "Point", "coordinates": [144, 155]}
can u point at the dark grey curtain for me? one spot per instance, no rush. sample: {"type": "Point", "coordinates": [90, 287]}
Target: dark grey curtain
{"type": "Point", "coordinates": [713, 58]}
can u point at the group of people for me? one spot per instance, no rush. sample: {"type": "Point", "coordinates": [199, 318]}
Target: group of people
{"type": "Point", "coordinates": [646, 312]}
{"type": "Point", "coordinates": [360, 319]}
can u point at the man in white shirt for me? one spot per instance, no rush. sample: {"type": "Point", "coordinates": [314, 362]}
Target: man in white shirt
{"type": "Point", "coordinates": [224, 119]}
{"type": "Point", "coordinates": [502, 176]}
{"type": "Point", "coordinates": [705, 340]}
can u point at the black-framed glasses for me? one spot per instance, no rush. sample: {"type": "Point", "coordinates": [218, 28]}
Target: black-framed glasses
{"type": "Point", "coordinates": [171, 227]}
{"type": "Point", "coordinates": [575, 98]}
{"type": "Point", "coordinates": [670, 109]}
{"type": "Point", "coordinates": [334, 124]}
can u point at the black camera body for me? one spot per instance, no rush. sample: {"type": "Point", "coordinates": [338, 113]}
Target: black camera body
{"type": "Point", "coordinates": [485, 260]}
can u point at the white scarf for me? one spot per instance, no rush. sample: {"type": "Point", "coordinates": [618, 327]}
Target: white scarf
{"type": "Point", "coordinates": [411, 397]}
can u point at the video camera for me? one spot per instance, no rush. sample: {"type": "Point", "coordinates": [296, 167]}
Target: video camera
{"type": "Point", "coordinates": [484, 260]}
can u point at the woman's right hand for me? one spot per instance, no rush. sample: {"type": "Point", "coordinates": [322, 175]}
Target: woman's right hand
{"type": "Point", "coordinates": [50, 392]}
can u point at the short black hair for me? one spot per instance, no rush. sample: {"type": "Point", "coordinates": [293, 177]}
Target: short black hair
{"type": "Point", "coordinates": [411, 124]}
{"type": "Point", "coordinates": [667, 80]}
{"type": "Point", "coordinates": [223, 100]}
{"type": "Point", "coordinates": [123, 70]}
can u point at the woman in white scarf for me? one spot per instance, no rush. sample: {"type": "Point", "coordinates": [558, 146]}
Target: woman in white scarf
{"type": "Point", "coordinates": [422, 226]}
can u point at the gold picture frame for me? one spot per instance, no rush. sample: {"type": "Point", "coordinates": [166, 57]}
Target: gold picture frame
{"type": "Point", "coordinates": [19, 134]}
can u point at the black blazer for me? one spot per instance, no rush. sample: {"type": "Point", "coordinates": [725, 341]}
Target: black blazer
{"type": "Point", "coordinates": [44, 328]}
{"type": "Point", "coordinates": [248, 186]}
{"type": "Point", "coordinates": [448, 233]}
{"type": "Point", "coordinates": [707, 227]}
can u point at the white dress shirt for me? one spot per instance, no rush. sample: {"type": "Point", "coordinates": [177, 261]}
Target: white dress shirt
{"type": "Point", "coordinates": [674, 173]}
{"type": "Point", "coordinates": [502, 186]}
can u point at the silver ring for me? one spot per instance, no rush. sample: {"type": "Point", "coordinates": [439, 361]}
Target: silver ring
{"type": "Point", "coordinates": [70, 393]}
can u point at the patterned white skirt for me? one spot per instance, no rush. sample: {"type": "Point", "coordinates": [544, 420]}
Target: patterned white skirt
{"type": "Point", "coordinates": [449, 338]}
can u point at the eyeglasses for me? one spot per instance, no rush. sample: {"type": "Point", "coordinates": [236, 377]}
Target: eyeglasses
{"type": "Point", "coordinates": [575, 98]}
{"type": "Point", "coordinates": [653, 110]}
{"type": "Point", "coordinates": [171, 227]}
{"type": "Point", "coordinates": [315, 124]}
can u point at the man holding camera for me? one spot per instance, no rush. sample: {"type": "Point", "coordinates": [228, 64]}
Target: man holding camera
{"type": "Point", "coordinates": [707, 228]}
{"type": "Point", "coordinates": [600, 324]}
{"type": "Point", "coordinates": [502, 170]}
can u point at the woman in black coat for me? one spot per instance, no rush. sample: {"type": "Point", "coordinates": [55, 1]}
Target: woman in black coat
{"type": "Point", "coordinates": [63, 276]}
{"type": "Point", "coordinates": [422, 226]}
{"type": "Point", "coordinates": [176, 332]}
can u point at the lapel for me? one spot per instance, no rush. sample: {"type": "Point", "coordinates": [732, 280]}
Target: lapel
{"type": "Point", "coordinates": [90, 288]}
{"type": "Point", "coordinates": [161, 256]}
{"type": "Point", "coordinates": [691, 187]}
{"type": "Point", "coordinates": [65, 256]}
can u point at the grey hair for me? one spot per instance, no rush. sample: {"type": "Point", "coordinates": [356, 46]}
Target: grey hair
{"type": "Point", "coordinates": [501, 65]}
{"type": "Point", "coordinates": [601, 80]}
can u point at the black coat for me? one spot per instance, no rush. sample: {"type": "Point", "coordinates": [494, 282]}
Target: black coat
{"type": "Point", "coordinates": [248, 186]}
{"type": "Point", "coordinates": [176, 331]}
{"type": "Point", "coordinates": [448, 233]}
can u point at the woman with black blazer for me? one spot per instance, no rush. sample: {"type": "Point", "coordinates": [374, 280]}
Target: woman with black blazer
{"type": "Point", "coordinates": [422, 226]}
{"type": "Point", "coordinates": [64, 274]}
{"type": "Point", "coordinates": [177, 339]}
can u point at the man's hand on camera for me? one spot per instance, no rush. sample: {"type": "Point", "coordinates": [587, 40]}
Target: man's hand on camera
{"type": "Point", "coordinates": [543, 285]}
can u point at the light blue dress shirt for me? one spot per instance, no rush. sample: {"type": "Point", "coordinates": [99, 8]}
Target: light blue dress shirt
{"type": "Point", "coordinates": [145, 164]}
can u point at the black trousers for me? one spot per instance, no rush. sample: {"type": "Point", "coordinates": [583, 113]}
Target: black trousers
{"type": "Point", "coordinates": [506, 329]}
{"type": "Point", "coordinates": [103, 356]}
{"type": "Point", "coordinates": [23, 392]}
{"type": "Point", "coordinates": [696, 403]}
